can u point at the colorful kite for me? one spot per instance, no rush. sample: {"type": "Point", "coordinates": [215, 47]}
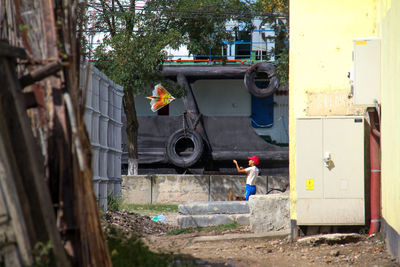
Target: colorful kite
{"type": "Point", "coordinates": [160, 98]}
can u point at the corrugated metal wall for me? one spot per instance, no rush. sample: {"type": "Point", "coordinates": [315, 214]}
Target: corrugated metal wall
{"type": "Point", "coordinates": [103, 122]}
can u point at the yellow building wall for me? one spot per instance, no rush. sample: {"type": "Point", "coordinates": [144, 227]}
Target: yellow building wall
{"type": "Point", "coordinates": [321, 46]}
{"type": "Point", "coordinates": [388, 23]}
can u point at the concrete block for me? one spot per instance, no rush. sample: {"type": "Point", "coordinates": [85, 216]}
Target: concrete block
{"type": "Point", "coordinates": [117, 188]}
{"type": "Point", "coordinates": [103, 162]}
{"type": "Point", "coordinates": [110, 187]}
{"type": "Point", "coordinates": [220, 184]}
{"type": "Point", "coordinates": [104, 96]}
{"type": "Point", "coordinates": [203, 220]}
{"type": "Point", "coordinates": [96, 188]}
{"type": "Point", "coordinates": [242, 219]}
{"type": "Point", "coordinates": [110, 163]}
{"type": "Point", "coordinates": [95, 161]}
{"type": "Point", "coordinates": [110, 134]}
{"type": "Point", "coordinates": [103, 126]}
{"type": "Point", "coordinates": [88, 120]}
{"type": "Point", "coordinates": [111, 99]}
{"type": "Point", "coordinates": [180, 188]}
{"type": "Point", "coordinates": [94, 137]}
{"type": "Point", "coordinates": [103, 185]}
{"type": "Point", "coordinates": [136, 189]}
{"type": "Point", "coordinates": [269, 212]}
{"type": "Point", "coordinates": [216, 207]}
{"type": "Point", "coordinates": [95, 90]}
{"type": "Point", "coordinates": [117, 164]}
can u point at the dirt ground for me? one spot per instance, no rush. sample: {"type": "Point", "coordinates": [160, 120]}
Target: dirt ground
{"type": "Point", "coordinates": [239, 247]}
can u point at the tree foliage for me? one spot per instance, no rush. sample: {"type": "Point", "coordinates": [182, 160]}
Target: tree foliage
{"type": "Point", "coordinates": [133, 48]}
{"type": "Point", "coordinates": [279, 22]}
{"type": "Point", "coordinates": [202, 23]}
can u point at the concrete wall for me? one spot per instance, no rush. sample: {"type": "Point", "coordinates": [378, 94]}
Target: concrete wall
{"type": "Point", "coordinates": [103, 123]}
{"type": "Point", "coordinates": [321, 46]}
{"type": "Point", "coordinates": [388, 21]}
{"type": "Point", "coordinates": [188, 188]}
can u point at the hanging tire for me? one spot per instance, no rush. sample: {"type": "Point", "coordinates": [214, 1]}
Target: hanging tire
{"type": "Point", "coordinates": [184, 148]}
{"type": "Point", "coordinates": [262, 70]}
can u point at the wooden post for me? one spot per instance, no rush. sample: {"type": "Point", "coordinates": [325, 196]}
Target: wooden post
{"type": "Point", "coordinates": [26, 165]}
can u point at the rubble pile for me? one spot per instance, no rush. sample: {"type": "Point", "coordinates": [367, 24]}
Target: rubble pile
{"type": "Point", "coordinates": [135, 223]}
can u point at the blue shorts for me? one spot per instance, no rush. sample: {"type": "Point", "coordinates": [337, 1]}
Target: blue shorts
{"type": "Point", "coordinates": [250, 190]}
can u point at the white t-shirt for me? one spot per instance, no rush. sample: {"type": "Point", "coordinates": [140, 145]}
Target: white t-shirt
{"type": "Point", "coordinates": [252, 173]}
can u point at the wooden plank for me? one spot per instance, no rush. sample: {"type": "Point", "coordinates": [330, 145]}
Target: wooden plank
{"type": "Point", "coordinates": [7, 50]}
{"type": "Point", "coordinates": [11, 257]}
{"type": "Point", "coordinates": [40, 73]}
{"type": "Point", "coordinates": [26, 165]}
{"type": "Point", "coordinates": [9, 174]}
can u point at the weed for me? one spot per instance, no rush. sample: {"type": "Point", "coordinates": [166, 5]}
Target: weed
{"type": "Point", "coordinates": [151, 208]}
{"type": "Point", "coordinates": [381, 237]}
{"type": "Point", "coordinates": [42, 254]}
{"type": "Point", "coordinates": [114, 203]}
{"type": "Point", "coordinates": [363, 230]}
{"type": "Point", "coordinates": [221, 228]}
{"type": "Point", "coordinates": [130, 251]}
{"type": "Point", "coordinates": [180, 231]}
{"type": "Point", "coordinates": [218, 229]}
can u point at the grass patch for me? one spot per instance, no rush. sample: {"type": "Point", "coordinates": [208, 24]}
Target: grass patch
{"type": "Point", "coordinates": [180, 231]}
{"type": "Point", "coordinates": [146, 209]}
{"type": "Point", "coordinates": [221, 228]}
{"type": "Point", "coordinates": [217, 229]}
{"type": "Point", "coordinates": [131, 251]}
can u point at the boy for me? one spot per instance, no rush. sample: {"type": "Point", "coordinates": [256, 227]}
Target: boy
{"type": "Point", "coordinates": [252, 173]}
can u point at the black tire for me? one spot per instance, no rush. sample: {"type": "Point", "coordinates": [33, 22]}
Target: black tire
{"type": "Point", "coordinates": [184, 148]}
{"type": "Point", "coordinates": [265, 70]}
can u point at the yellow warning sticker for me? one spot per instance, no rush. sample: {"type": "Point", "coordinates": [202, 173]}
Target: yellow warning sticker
{"type": "Point", "coordinates": [310, 184]}
{"type": "Point", "coordinates": [361, 42]}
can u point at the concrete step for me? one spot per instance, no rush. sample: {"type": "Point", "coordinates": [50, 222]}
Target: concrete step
{"type": "Point", "coordinates": [214, 207]}
{"type": "Point", "coordinates": [212, 220]}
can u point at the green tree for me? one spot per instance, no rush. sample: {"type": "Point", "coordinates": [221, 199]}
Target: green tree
{"type": "Point", "coordinates": [131, 54]}
{"type": "Point", "coordinates": [278, 19]}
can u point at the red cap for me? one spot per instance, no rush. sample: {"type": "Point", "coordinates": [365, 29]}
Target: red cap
{"type": "Point", "coordinates": [255, 159]}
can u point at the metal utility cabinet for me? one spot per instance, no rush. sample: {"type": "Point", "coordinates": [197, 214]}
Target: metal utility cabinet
{"type": "Point", "coordinates": [330, 170]}
{"type": "Point", "coordinates": [367, 66]}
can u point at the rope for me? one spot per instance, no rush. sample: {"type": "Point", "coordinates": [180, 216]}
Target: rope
{"type": "Point", "coordinates": [184, 123]}
{"type": "Point", "coordinates": [261, 125]}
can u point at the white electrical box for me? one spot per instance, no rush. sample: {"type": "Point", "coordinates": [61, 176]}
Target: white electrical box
{"type": "Point", "coordinates": [367, 70]}
{"type": "Point", "coordinates": [330, 170]}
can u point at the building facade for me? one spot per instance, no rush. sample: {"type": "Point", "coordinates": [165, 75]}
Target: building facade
{"type": "Point", "coordinates": [322, 41]}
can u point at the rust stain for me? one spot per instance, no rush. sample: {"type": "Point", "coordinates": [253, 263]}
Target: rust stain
{"type": "Point", "coordinates": [332, 103]}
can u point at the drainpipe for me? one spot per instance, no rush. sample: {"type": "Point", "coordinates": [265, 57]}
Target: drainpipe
{"type": "Point", "coordinates": [375, 156]}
